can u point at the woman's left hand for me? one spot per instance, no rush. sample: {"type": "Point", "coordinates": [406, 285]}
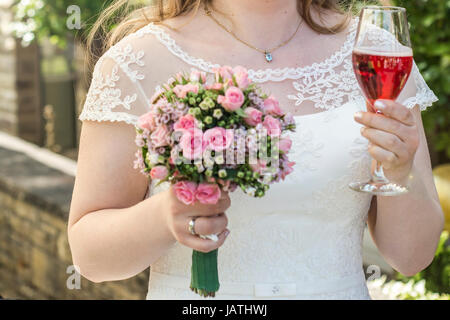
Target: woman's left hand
{"type": "Point", "coordinates": [393, 137]}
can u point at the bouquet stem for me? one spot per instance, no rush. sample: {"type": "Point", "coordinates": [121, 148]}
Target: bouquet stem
{"type": "Point", "coordinates": [204, 275]}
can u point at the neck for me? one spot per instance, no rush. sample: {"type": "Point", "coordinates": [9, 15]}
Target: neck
{"type": "Point", "coordinates": [263, 23]}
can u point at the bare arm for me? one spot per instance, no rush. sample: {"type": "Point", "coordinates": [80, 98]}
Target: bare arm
{"type": "Point", "coordinates": [110, 190]}
{"type": "Point", "coordinates": [406, 228]}
{"type": "Point", "coordinates": [115, 234]}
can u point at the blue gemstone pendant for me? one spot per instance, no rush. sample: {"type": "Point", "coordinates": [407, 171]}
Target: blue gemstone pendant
{"type": "Point", "coordinates": [268, 56]}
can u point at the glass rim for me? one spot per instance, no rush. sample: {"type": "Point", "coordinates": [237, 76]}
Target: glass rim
{"type": "Point", "coordinates": [384, 8]}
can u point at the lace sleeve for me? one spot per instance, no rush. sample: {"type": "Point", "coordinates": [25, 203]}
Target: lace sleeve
{"type": "Point", "coordinates": [115, 93]}
{"type": "Point", "coordinates": [416, 91]}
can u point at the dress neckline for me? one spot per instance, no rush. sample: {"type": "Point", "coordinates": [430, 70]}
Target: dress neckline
{"type": "Point", "coordinates": [259, 75]}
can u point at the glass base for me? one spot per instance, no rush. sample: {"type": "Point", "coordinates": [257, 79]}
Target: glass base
{"type": "Point", "coordinates": [379, 188]}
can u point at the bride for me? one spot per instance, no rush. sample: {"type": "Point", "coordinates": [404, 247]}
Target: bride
{"type": "Point", "coordinates": [303, 240]}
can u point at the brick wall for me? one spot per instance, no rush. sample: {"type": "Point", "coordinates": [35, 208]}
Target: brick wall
{"type": "Point", "coordinates": [34, 252]}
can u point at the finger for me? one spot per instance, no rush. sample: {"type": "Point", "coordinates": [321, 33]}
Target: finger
{"type": "Point", "coordinates": [396, 111]}
{"type": "Point", "coordinates": [221, 206]}
{"type": "Point", "coordinates": [204, 245]}
{"type": "Point", "coordinates": [387, 158]}
{"type": "Point", "coordinates": [224, 203]}
{"type": "Point", "coordinates": [224, 195]}
{"type": "Point", "coordinates": [211, 225]}
{"type": "Point", "coordinates": [381, 122]}
{"type": "Point", "coordinates": [386, 140]}
{"type": "Point", "coordinates": [200, 209]}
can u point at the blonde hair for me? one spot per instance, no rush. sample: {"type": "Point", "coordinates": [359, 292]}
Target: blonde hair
{"type": "Point", "coordinates": [132, 17]}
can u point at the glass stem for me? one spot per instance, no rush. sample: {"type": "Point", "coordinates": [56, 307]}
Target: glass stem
{"type": "Point", "coordinates": [378, 174]}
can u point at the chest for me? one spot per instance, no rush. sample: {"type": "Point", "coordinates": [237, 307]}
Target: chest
{"type": "Point", "coordinates": [316, 80]}
{"type": "Point", "coordinates": [329, 153]}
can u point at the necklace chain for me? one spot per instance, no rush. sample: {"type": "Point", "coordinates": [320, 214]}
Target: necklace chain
{"type": "Point", "coordinates": [268, 52]}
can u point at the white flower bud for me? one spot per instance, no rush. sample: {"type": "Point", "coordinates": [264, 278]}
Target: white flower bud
{"type": "Point", "coordinates": [153, 158]}
{"type": "Point", "coordinates": [200, 167]}
{"type": "Point", "coordinates": [219, 159]}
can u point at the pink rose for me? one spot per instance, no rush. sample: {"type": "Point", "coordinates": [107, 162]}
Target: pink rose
{"type": "Point", "coordinates": [178, 90]}
{"type": "Point", "coordinates": [191, 143]}
{"type": "Point", "coordinates": [208, 193]}
{"type": "Point", "coordinates": [287, 169]}
{"type": "Point", "coordinates": [225, 72]}
{"type": "Point", "coordinates": [179, 77]}
{"type": "Point", "coordinates": [289, 119]}
{"type": "Point", "coordinates": [182, 90]}
{"type": "Point", "coordinates": [159, 137]}
{"type": "Point", "coordinates": [233, 99]}
{"type": "Point", "coordinates": [196, 76]}
{"type": "Point", "coordinates": [229, 83]}
{"type": "Point", "coordinates": [218, 138]}
{"type": "Point", "coordinates": [271, 106]}
{"type": "Point", "coordinates": [191, 88]}
{"type": "Point", "coordinates": [156, 95]}
{"type": "Point", "coordinates": [214, 86]}
{"type": "Point", "coordinates": [253, 116]}
{"type": "Point", "coordinates": [147, 121]}
{"type": "Point", "coordinates": [241, 76]}
{"type": "Point", "coordinates": [272, 126]}
{"type": "Point", "coordinates": [185, 191]}
{"type": "Point", "coordinates": [162, 104]}
{"type": "Point", "coordinates": [158, 172]}
{"type": "Point", "coordinates": [285, 144]}
{"type": "Point", "coordinates": [217, 86]}
{"type": "Point", "coordinates": [259, 166]}
{"type": "Point", "coordinates": [186, 122]}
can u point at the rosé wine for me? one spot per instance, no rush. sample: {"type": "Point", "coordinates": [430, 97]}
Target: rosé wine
{"type": "Point", "coordinates": [382, 75]}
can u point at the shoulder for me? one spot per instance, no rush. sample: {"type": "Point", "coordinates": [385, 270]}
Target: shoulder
{"type": "Point", "coordinates": [145, 53]}
{"type": "Point", "coordinates": [325, 45]}
{"type": "Point", "coordinates": [114, 93]}
{"type": "Point", "coordinates": [133, 52]}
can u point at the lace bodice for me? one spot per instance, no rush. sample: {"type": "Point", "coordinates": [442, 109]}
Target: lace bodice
{"type": "Point", "coordinates": [307, 229]}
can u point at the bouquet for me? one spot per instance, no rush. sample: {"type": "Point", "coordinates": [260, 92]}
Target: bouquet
{"type": "Point", "coordinates": [205, 136]}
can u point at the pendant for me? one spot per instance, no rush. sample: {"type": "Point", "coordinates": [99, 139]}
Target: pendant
{"type": "Point", "coordinates": [268, 56]}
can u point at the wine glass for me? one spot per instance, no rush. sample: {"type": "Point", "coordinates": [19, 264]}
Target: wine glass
{"type": "Point", "coordinates": [382, 61]}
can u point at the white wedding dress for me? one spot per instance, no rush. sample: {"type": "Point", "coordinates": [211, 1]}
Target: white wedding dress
{"type": "Point", "coordinates": [303, 240]}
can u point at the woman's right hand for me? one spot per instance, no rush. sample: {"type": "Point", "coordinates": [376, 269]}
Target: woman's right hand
{"type": "Point", "coordinates": [210, 219]}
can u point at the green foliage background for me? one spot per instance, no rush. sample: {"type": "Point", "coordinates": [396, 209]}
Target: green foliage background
{"type": "Point", "coordinates": [430, 35]}
{"type": "Point", "coordinates": [50, 19]}
{"type": "Point", "coordinates": [437, 274]}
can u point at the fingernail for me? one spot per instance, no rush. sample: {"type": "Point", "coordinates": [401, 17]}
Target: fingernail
{"type": "Point", "coordinates": [362, 130]}
{"type": "Point", "coordinates": [358, 115]}
{"type": "Point", "coordinates": [380, 105]}
{"type": "Point", "coordinates": [227, 232]}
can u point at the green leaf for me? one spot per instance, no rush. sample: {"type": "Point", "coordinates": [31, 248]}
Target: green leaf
{"type": "Point", "coordinates": [240, 113]}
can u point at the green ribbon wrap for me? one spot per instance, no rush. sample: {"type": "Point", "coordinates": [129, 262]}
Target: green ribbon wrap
{"type": "Point", "coordinates": [204, 274]}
